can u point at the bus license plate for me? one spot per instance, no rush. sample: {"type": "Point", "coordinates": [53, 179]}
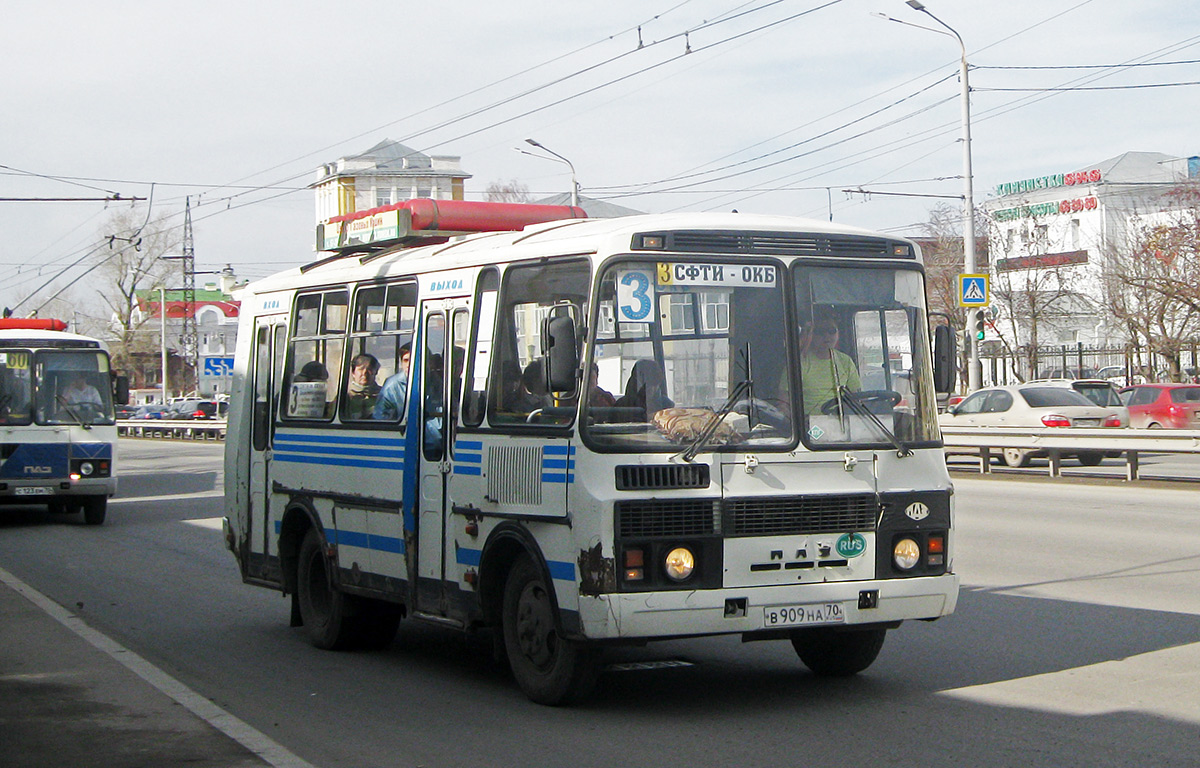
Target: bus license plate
{"type": "Point", "coordinates": [803, 615]}
{"type": "Point", "coordinates": [32, 490]}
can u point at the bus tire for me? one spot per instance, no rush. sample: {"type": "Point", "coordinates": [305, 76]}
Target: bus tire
{"type": "Point", "coordinates": [323, 609]}
{"type": "Point", "coordinates": [1090, 458]}
{"type": "Point", "coordinates": [549, 668]}
{"type": "Point", "coordinates": [95, 509]}
{"type": "Point", "coordinates": [838, 653]}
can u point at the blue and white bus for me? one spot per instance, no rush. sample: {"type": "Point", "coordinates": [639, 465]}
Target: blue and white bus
{"type": "Point", "coordinates": [609, 432]}
{"type": "Point", "coordinates": [58, 434]}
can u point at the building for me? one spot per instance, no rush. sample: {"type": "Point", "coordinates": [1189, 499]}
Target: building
{"type": "Point", "coordinates": [215, 309]}
{"type": "Point", "coordinates": [1053, 239]}
{"type": "Point", "coordinates": [384, 174]}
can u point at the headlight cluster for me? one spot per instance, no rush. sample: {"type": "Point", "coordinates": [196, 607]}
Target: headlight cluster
{"type": "Point", "coordinates": [909, 552]}
{"type": "Point", "coordinates": [650, 565]}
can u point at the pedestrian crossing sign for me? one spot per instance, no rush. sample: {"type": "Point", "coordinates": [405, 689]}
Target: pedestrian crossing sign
{"type": "Point", "coordinates": [973, 291]}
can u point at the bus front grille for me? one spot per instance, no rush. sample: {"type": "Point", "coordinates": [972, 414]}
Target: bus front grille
{"type": "Point", "coordinates": [653, 477]}
{"type": "Point", "coordinates": [657, 517]}
{"type": "Point", "coordinates": [787, 515]}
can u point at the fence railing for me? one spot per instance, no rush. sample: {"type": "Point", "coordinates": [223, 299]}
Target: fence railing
{"type": "Point", "coordinates": [171, 429]}
{"type": "Point", "coordinates": [1057, 442]}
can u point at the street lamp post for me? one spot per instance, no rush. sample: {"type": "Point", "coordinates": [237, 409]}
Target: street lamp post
{"type": "Point", "coordinates": [974, 369]}
{"type": "Point", "coordinates": [574, 182]}
{"type": "Point", "coordinates": [162, 316]}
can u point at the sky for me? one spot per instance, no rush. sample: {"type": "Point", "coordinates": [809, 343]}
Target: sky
{"type": "Point", "coordinates": [767, 106]}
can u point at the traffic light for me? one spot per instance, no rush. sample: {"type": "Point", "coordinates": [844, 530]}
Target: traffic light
{"type": "Point", "coordinates": [979, 325]}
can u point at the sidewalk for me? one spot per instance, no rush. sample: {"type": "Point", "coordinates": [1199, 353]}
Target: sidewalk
{"type": "Point", "coordinates": [66, 702]}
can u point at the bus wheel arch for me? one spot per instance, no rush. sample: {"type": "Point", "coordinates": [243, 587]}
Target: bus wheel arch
{"type": "Point", "coordinates": [297, 521]}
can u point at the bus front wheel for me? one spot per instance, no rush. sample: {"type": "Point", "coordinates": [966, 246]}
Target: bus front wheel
{"type": "Point", "coordinates": [323, 609]}
{"type": "Point", "coordinates": [549, 668]}
{"type": "Point", "coordinates": [838, 653]}
{"type": "Point", "coordinates": [95, 509]}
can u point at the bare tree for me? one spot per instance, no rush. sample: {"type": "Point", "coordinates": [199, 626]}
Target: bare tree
{"type": "Point", "coordinates": [1154, 280]}
{"type": "Point", "coordinates": [131, 264]}
{"type": "Point", "coordinates": [942, 251]}
{"type": "Point", "coordinates": [511, 191]}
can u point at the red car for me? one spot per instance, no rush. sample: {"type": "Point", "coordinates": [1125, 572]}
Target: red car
{"type": "Point", "coordinates": [1158, 406]}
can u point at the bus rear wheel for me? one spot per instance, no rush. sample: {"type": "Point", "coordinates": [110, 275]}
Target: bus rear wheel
{"type": "Point", "coordinates": [550, 669]}
{"type": "Point", "coordinates": [323, 609]}
{"type": "Point", "coordinates": [836, 652]}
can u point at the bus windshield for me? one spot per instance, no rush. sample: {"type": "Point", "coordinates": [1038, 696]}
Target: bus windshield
{"type": "Point", "coordinates": [863, 352]}
{"type": "Point", "coordinates": [55, 387]}
{"type": "Point", "coordinates": [689, 351]}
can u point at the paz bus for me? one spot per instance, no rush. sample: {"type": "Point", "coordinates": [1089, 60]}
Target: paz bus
{"type": "Point", "coordinates": [578, 433]}
{"type": "Point", "coordinates": [56, 417]}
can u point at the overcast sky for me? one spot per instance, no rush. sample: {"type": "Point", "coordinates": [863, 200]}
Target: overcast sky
{"type": "Point", "coordinates": [762, 106]}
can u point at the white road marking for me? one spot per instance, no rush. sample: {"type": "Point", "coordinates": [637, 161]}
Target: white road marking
{"type": "Point", "coordinates": [238, 730]}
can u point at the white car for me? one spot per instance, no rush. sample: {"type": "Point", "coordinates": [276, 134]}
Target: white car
{"type": "Point", "coordinates": [1102, 392]}
{"type": "Point", "coordinates": [1032, 406]}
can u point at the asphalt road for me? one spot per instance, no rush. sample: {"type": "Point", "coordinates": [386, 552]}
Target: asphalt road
{"type": "Point", "coordinates": [1076, 643]}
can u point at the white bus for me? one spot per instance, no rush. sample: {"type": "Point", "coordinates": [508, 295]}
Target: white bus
{"type": "Point", "coordinates": [59, 435]}
{"type": "Point", "coordinates": [627, 443]}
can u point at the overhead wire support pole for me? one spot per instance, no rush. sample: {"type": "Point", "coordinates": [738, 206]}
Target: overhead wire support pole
{"type": "Point", "coordinates": [189, 342]}
{"type": "Point", "coordinates": [974, 369]}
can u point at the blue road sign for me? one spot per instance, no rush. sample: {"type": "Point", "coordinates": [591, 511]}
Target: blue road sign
{"type": "Point", "coordinates": [218, 366]}
{"type": "Point", "coordinates": [973, 291]}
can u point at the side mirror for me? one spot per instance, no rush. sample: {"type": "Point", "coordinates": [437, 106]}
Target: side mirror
{"type": "Point", "coordinates": [952, 409]}
{"type": "Point", "coordinates": [121, 390]}
{"type": "Point", "coordinates": [945, 357]}
{"type": "Point", "coordinates": [562, 358]}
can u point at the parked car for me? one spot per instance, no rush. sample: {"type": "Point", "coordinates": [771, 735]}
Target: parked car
{"type": "Point", "coordinates": [126, 411]}
{"type": "Point", "coordinates": [1100, 391]}
{"type": "Point", "coordinates": [1163, 406]}
{"type": "Point", "coordinates": [151, 411]}
{"type": "Point", "coordinates": [1068, 373]}
{"type": "Point", "coordinates": [1031, 405]}
{"type": "Point", "coordinates": [198, 409]}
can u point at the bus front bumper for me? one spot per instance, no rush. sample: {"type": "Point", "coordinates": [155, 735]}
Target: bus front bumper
{"type": "Point", "coordinates": [757, 609]}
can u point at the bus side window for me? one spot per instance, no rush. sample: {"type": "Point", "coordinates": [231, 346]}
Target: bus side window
{"type": "Point", "coordinates": [314, 364]}
{"type": "Point", "coordinates": [475, 393]}
{"type": "Point", "coordinates": [382, 329]}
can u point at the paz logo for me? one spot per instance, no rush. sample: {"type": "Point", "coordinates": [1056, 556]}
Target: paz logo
{"type": "Point", "coordinates": [851, 545]}
{"type": "Point", "coordinates": [916, 511]}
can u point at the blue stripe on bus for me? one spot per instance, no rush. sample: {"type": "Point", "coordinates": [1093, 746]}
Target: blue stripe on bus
{"type": "Point", "coordinates": [559, 570]}
{"type": "Point", "coordinates": [468, 445]}
{"type": "Point", "coordinates": [340, 439]}
{"type": "Point", "coordinates": [558, 450]}
{"type": "Point", "coordinates": [290, 447]}
{"type": "Point", "coordinates": [330, 461]}
{"type": "Point", "coordinates": [470, 458]}
{"type": "Point", "coordinates": [362, 540]}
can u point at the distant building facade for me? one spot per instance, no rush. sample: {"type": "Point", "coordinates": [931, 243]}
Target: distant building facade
{"type": "Point", "coordinates": [1057, 233]}
{"type": "Point", "coordinates": [385, 174]}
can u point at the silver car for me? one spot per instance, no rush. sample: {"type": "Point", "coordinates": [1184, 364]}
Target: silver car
{"type": "Point", "coordinates": [1032, 406]}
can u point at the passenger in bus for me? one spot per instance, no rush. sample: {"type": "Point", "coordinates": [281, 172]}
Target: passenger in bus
{"type": "Point", "coordinates": [646, 390]}
{"type": "Point", "coordinates": [598, 397]}
{"type": "Point", "coordinates": [313, 370]}
{"type": "Point", "coordinates": [362, 390]}
{"type": "Point", "coordinates": [530, 396]}
{"type": "Point", "coordinates": [824, 369]}
{"type": "Point", "coordinates": [389, 406]}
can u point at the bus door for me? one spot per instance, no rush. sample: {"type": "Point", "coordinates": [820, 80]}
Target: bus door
{"type": "Point", "coordinates": [270, 335]}
{"type": "Point", "coordinates": [444, 335]}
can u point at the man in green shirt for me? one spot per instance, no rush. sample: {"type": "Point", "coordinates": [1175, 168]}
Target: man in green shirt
{"type": "Point", "coordinates": [824, 369]}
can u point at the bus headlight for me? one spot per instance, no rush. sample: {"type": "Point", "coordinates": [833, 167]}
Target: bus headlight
{"type": "Point", "coordinates": [86, 468]}
{"type": "Point", "coordinates": [906, 554]}
{"type": "Point", "coordinates": [679, 563]}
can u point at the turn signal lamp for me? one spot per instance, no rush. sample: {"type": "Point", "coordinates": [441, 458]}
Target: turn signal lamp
{"type": "Point", "coordinates": [635, 565]}
{"type": "Point", "coordinates": [1055, 420]}
{"type": "Point", "coordinates": [936, 549]}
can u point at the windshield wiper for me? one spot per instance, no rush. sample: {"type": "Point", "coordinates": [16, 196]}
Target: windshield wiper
{"type": "Point", "coordinates": [902, 450]}
{"type": "Point", "coordinates": [702, 439]}
{"type": "Point", "coordinates": [71, 412]}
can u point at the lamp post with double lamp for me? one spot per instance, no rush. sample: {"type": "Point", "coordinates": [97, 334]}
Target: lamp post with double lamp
{"type": "Point", "coordinates": [574, 182]}
{"type": "Point", "coordinates": [974, 369]}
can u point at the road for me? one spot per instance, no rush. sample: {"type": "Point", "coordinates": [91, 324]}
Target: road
{"type": "Point", "coordinates": [1076, 643]}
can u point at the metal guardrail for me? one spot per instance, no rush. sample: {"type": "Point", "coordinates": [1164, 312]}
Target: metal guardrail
{"type": "Point", "coordinates": [1057, 441]}
{"type": "Point", "coordinates": [172, 429]}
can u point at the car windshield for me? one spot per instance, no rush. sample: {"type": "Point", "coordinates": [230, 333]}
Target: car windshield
{"type": "Point", "coordinates": [72, 388]}
{"type": "Point", "coordinates": [680, 348]}
{"type": "Point", "coordinates": [1052, 397]}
